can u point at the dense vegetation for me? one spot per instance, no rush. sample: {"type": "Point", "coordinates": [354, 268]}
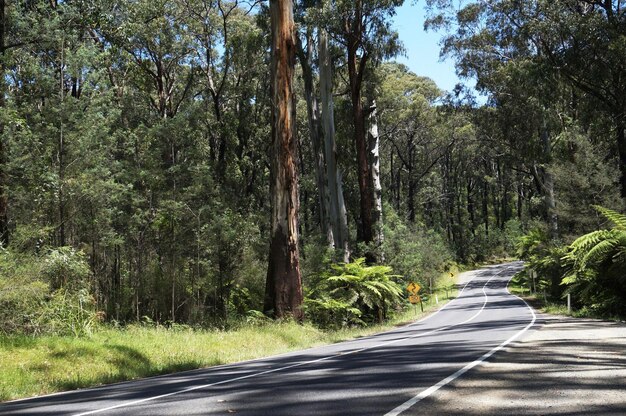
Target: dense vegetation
{"type": "Point", "coordinates": [136, 156]}
{"type": "Point", "coordinates": [554, 74]}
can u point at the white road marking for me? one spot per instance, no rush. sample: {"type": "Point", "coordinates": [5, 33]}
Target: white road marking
{"type": "Point", "coordinates": [411, 402]}
{"type": "Point", "coordinates": [147, 399]}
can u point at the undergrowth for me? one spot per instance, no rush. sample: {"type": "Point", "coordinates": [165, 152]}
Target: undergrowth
{"type": "Point", "coordinates": [36, 365]}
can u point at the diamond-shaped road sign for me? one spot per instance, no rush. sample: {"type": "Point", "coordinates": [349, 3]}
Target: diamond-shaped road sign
{"type": "Point", "coordinates": [413, 288]}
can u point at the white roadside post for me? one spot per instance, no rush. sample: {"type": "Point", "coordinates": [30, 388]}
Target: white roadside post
{"type": "Point", "coordinates": [569, 303]}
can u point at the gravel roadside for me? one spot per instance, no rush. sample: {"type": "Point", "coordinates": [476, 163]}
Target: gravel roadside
{"type": "Point", "coordinates": [567, 367]}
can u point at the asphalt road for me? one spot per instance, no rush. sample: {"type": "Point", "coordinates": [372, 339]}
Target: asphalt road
{"type": "Point", "coordinates": [385, 374]}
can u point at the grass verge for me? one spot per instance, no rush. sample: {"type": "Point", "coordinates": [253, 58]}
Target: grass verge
{"type": "Point", "coordinates": [31, 366]}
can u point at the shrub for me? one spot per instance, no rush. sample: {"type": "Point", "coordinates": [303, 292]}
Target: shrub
{"type": "Point", "coordinates": [415, 253]}
{"type": "Point", "coordinates": [66, 268]}
{"type": "Point", "coordinates": [69, 313]}
{"type": "Point", "coordinates": [46, 295]}
{"type": "Point", "coordinates": [21, 293]}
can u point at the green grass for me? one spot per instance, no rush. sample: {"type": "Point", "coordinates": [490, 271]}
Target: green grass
{"type": "Point", "coordinates": [32, 366]}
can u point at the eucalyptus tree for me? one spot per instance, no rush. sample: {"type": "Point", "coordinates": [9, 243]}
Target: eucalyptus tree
{"type": "Point", "coordinates": [580, 42]}
{"type": "Point", "coordinates": [411, 144]}
{"type": "Point", "coordinates": [283, 292]}
{"type": "Point", "coordinates": [363, 28]}
{"type": "Point", "coordinates": [497, 42]}
{"type": "Point", "coordinates": [4, 218]}
{"type": "Point", "coordinates": [306, 56]}
{"type": "Point", "coordinates": [338, 217]}
{"type": "Point", "coordinates": [321, 120]}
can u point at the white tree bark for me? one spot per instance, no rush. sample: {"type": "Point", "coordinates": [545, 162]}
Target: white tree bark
{"type": "Point", "coordinates": [374, 150]}
{"type": "Point", "coordinates": [338, 214]}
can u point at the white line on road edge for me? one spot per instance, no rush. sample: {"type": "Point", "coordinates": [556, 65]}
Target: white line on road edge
{"type": "Point", "coordinates": [411, 402]}
{"type": "Point", "coordinates": [174, 393]}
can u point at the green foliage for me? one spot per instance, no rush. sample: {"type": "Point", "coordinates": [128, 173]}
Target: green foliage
{"type": "Point", "coordinates": [414, 252]}
{"type": "Point", "coordinates": [68, 312]}
{"type": "Point", "coordinates": [353, 294]}
{"type": "Point", "coordinates": [66, 268]}
{"type": "Point", "coordinates": [136, 165]}
{"type": "Point", "coordinates": [46, 295]}
{"type": "Point", "coordinates": [22, 292]}
{"type": "Point", "coordinates": [596, 263]}
{"type": "Point", "coordinates": [584, 177]}
{"type": "Point", "coordinates": [543, 267]}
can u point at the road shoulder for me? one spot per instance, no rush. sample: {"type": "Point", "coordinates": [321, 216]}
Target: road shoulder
{"type": "Point", "coordinates": [567, 367]}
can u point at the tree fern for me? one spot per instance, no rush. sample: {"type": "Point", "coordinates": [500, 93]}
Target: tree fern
{"type": "Point", "coordinates": [602, 251]}
{"type": "Point", "coordinates": [371, 289]}
{"type": "Point", "coordinates": [597, 266]}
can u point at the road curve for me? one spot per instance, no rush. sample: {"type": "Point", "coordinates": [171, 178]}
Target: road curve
{"type": "Point", "coordinates": [384, 374]}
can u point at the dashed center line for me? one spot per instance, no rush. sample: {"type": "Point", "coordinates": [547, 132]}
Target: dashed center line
{"type": "Point", "coordinates": [322, 359]}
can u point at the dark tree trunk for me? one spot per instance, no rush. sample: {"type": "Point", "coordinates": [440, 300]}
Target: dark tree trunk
{"type": "Point", "coordinates": [356, 70]}
{"type": "Point", "coordinates": [520, 198]}
{"type": "Point", "coordinates": [547, 183]}
{"type": "Point", "coordinates": [61, 152]}
{"type": "Point", "coordinates": [471, 209]}
{"type": "Point", "coordinates": [621, 147]}
{"type": "Point", "coordinates": [364, 176]}
{"type": "Point", "coordinates": [398, 182]}
{"type": "Point", "coordinates": [4, 203]}
{"type": "Point", "coordinates": [283, 291]}
{"type": "Point", "coordinates": [486, 207]}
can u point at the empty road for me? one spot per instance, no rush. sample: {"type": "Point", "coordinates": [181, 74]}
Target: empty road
{"type": "Point", "coordinates": [385, 374]}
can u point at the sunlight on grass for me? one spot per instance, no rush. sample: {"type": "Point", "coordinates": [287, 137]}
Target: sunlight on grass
{"type": "Point", "coordinates": [31, 366]}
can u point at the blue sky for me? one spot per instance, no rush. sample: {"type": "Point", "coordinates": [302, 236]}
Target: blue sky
{"type": "Point", "coordinates": [422, 48]}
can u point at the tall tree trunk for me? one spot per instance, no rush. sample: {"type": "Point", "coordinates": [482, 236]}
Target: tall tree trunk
{"type": "Point", "coordinates": [356, 71]}
{"type": "Point", "coordinates": [377, 192]}
{"type": "Point", "coordinates": [365, 190]}
{"type": "Point", "coordinates": [550, 201]}
{"type": "Point", "coordinates": [283, 291]}
{"type": "Point", "coordinates": [61, 150]}
{"type": "Point", "coordinates": [338, 212]}
{"type": "Point", "coordinates": [4, 203]}
{"type": "Point", "coordinates": [485, 204]}
{"type": "Point", "coordinates": [315, 133]}
{"type": "Point", "coordinates": [520, 196]}
{"type": "Point", "coordinates": [621, 147]}
{"type": "Point", "coordinates": [471, 208]}
{"type": "Point", "coordinates": [547, 184]}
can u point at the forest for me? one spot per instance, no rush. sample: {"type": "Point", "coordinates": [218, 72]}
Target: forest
{"type": "Point", "coordinates": [204, 162]}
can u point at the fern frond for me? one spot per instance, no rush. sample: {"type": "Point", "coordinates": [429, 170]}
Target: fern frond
{"type": "Point", "coordinates": [620, 256]}
{"type": "Point", "coordinates": [372, 288]}
{"type": "Point", "coordinates": [585, 242]}
{"type": "Point", "coordinates": [615, 217]}
{"type": "Point", "coordinates": [344, 278]}
{"type": "Point", "coordinates": [600, 252]}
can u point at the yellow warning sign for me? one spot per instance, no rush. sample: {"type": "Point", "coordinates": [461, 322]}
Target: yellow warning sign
{"type": "Point", "coordinates": [414, 299]}
{"type": "Point", "coordinates": [413, 288]}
